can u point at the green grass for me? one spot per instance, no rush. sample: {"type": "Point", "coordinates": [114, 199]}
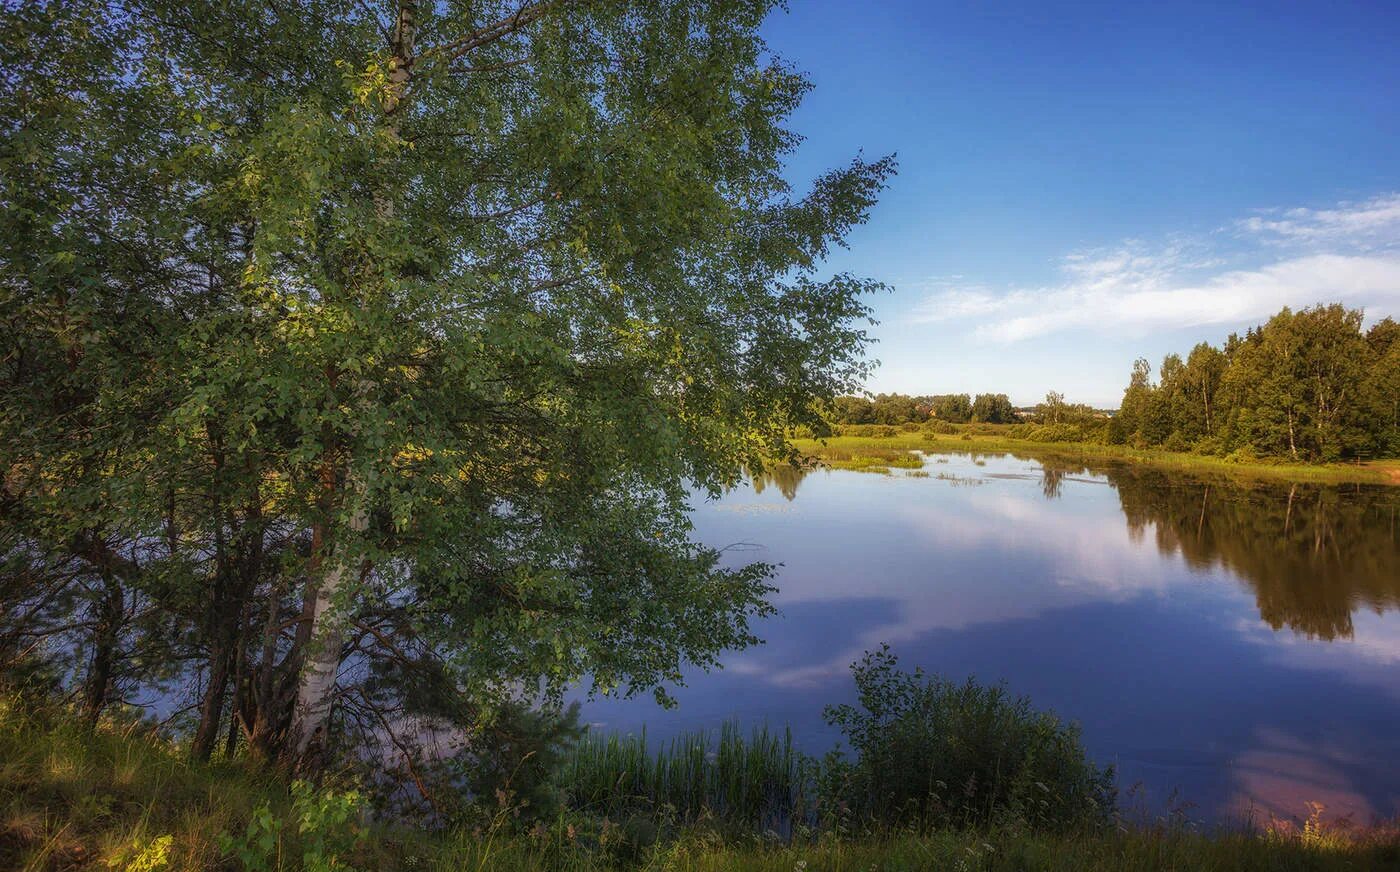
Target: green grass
{"type": "Point", "coordinates": [753, 783]}
{"type": "Point", "coordinates": [866, 454]}
{"type": "Point", "coordinates": [75, 798]}
{"type": "Point", "coordinates": [880, 453]}
{"type": "Point", "coordinates": [119, 798]}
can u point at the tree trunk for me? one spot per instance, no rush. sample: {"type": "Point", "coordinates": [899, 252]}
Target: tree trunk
{"type": "Point", "coordinates": [316, 691]}
{"type": "Point", "coordinates": [261, 730]}
{"type": "Point", "coordinates": [110, 611]}
{"type": "Point", "coordinates": [211, 709]}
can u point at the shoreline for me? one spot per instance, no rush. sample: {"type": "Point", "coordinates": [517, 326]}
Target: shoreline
{"type": "Point", "coordinates": [879, 453]}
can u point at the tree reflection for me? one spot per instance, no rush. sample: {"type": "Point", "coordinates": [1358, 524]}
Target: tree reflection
{"type": "Point", "coordinates": [784, 477]}
{"type": "Point", "coordinates": [1313, 554]}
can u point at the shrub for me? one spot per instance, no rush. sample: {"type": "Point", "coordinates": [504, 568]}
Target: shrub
{"type": "Point", "coordinates": [1052, 433]}
{"type": "Point", "coordinates": [327, 829]}
{"type": "Point", "coordinates": [933, 753]}
{"type": "Point", "coordinates": [1209, 445]}
{"type": "Point", "coordinates": [1176, 442]}
{"type": "Point", "coordinates": [516, 763]}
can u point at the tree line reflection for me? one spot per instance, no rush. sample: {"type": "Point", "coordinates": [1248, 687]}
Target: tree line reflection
{"type": "Point", "coordinates": [1312, 554]}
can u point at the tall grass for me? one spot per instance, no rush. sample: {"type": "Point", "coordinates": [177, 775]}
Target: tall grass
{"type": "Point", "coordinates": [72, 796]}
{"type": "Point", "coordinates": [760, 783]}
{"type": "Point", "coordinates": [121, 798]}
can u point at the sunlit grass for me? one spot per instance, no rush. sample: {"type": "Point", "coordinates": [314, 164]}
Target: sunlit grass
{"type": "Point", "coordinates": [879, 449]}
{"type": "Point", "coordinates": [127, 800]}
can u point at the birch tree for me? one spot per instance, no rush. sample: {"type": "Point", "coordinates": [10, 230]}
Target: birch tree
{"type": "Point", "coordinates": [448, 313]}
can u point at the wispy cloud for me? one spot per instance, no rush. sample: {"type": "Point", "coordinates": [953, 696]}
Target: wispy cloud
{"type": "Point", "coordinates": [1350, 253]}
{"type": "Point", "coordinates": [1370, 224]}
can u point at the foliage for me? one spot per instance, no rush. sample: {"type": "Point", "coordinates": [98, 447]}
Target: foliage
{"type": "Point", "coordinates": [255, 849]}
{"type": "Point", "coordinates": [327, 827]}
{"type": "Point", "coordinates": [895, 409]}
{"type": "Point", "coordinates": [954, 408]}
{"type": "Point", "coordinates": [78, 799]}
{"type": "Point", "coordinates": [932, 752]}
{"type": "Point", "coordinates": [399, 333]}
{"type": "Point", "coordinates": [1054, 433]}
{"type": "Point", "coordinates": [518, 763]}
{"type": "Point", "coordinates": [993, 409]}
{"type": "Point", "coordinates": [1311, 385]}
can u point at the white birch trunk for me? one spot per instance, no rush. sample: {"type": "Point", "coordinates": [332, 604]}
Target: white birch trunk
{"type": "Point", "coordinates": [316, 691]}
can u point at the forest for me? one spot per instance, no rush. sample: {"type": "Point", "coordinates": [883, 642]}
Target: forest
{"type": "Point", "coordinates": [891, 409]}
{"type": "Point", "coordinates": [1311, 385]}
{"type": "Point", "coordinates": [1308, 386]}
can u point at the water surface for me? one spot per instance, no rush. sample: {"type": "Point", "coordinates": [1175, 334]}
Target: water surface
{"type": "Point", "coordinates": [1237, 645]}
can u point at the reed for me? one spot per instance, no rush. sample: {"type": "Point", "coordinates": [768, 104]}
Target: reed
{"type": "Point", "coordinates": [759, 782]}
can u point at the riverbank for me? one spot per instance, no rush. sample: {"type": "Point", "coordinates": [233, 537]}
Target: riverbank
{"type": "Point", "coordinates": [882, 449]}
{"type": "Point", "coordinates": [74, 798]}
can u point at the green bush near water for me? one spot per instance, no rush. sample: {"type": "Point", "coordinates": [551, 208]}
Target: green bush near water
{"type": "Point", "coordinates": [933, 753]}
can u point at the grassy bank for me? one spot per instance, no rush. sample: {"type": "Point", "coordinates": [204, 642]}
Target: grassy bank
{"type": "Point", "coordinates": [882, 449]}
{"type": "Point", "coordinates": [119, 798]}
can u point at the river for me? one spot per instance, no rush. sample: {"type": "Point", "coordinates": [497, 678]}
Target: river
{"type": "Point", "coordinates": [1232, 648]}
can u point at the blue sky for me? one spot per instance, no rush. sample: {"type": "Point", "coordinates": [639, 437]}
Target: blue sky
{"type": "Point", "coordinates": [1084, 183]}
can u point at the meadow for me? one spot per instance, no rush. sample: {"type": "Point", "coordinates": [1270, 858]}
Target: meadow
{"type": "Point", "coordinates": [882, 448]}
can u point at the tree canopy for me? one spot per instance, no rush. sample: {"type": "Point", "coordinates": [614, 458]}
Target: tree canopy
{"type": "Point", "coordinates": [356, 350]}
{"type": "Point", "coordinates": [902, 408]}
{"type": "Point", "coordinates": [1310, 385]}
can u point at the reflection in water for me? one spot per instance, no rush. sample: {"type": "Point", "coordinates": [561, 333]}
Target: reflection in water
{"type": "Point", "coordinates": [1313, 554]}
{"type": "Point", "coordinates": [1239, 642]}
{"type": "Point", "coordinates": [782, 476]}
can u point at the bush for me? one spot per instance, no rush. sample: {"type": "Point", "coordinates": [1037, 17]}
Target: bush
{"type": "Point", "coordinates": [516, 763]}
{"type": "Point", "coordinates": [929, 752]}
{"type": "Point", "coordinates": [327, 826]}
{"type": "Point", "coordinates": [869, 431]}
{"type": "Point", "coordinates": [1176, 442]}
{"type": "Point", "coordinates": [1209, 445]}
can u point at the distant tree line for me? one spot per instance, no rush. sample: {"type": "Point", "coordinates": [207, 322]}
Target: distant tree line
{"type": "Point", "coordinates": [901, 408]}
{"type": "Point", "coordinates": [1310, 385]}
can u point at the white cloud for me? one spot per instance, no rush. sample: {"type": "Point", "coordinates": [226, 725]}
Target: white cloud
{"type": "Point", "coordinates": [1373, 223]}
{"type": "Point", "coordinates": [1348, 254]}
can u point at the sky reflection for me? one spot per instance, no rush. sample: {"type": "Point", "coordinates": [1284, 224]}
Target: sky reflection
{"type": "Point", "coordinates": [1201, 649]}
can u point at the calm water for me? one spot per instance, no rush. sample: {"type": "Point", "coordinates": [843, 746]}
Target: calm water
{"type": "Point", "coordinates": [1237, 645]}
